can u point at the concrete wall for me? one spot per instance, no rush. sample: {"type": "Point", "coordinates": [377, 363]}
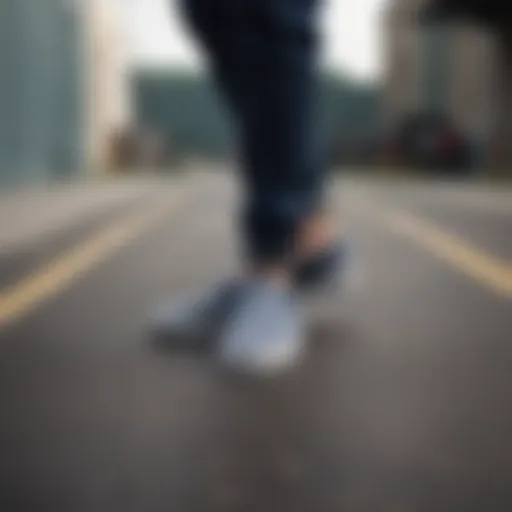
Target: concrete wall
{"type": "Point", "coordinates": [109, 105]}
{"type": "Point", "coordinates": [471, 96]}
{"type": "Point", "coordinates": [402, 91]}
{"type": "Point", "coordinates": [503, 126]}
{"type": "Point", "coordinates": [451, 68]}
{"type": "Point", "coordinates": [403, 70]}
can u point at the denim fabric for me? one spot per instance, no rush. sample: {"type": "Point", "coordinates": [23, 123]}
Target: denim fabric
{"type": "Point", "coordinates": [264, 57]}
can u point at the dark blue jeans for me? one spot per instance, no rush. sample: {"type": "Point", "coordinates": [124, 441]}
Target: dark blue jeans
{"type": "Point", "coordinates": [264, 57]}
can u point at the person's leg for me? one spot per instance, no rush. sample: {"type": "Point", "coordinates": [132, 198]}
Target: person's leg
{"type": "Point", "coordinates": [282, 157]}
{"type": "Point", "coordinates": [216, 24]}
{"type": "Point", "coordinates": [264, 56]}
{"type": "Point", "coordinates": [284, 219]}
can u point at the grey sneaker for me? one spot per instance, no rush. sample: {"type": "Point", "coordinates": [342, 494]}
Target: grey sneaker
{"type": "Point", "coordinates": [264, 334]}
{"type": "Point", "coordinates": [194, 322]}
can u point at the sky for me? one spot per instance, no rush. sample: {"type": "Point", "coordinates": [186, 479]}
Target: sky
{"type": "Point", "coordinates": [351, 36]}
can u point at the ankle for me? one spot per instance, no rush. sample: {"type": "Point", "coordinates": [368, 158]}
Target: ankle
{"type": "Point", "coordinates": [317, 233]}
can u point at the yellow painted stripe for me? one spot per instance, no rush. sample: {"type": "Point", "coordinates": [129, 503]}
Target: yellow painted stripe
{"type": "Point", "coordinates": [60, 274]}
{"type": "Point", "coordinates": [489, 271]}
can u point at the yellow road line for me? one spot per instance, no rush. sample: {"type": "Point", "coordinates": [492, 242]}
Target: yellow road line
{"type": "Point", "coordinates": [60, 274]}
{"type": "Point", "coordinates": [489, 271]}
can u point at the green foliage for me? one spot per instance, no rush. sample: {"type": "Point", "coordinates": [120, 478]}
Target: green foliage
{"type": "Point", "coordinates": [187, 110]}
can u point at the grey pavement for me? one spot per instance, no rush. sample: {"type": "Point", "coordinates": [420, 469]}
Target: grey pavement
{"type": "Point", "coordinates": [33, 213]}
{"type": "Point", "coordinates": [402, 404]}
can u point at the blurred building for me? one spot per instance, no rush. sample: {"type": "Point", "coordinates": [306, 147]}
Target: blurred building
{"type": "Point", "coordinates": [63, 89]}
{"type": "Point", "coordinates": [446, 71]}
{"type": "Point", "coordinates": [109, 105]}
{"type": "Point", "coordinates": [493, 15]}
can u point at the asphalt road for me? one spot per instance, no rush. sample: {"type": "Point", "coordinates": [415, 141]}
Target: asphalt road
{"type": "Point", "coordinates": [403, 403]}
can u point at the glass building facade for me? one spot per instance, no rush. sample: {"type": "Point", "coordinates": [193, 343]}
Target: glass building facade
{"type": "Point", "coordinates": [41, 102]}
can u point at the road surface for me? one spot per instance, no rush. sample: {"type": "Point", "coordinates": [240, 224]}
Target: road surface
{"type": "Point", "coordinates": [403, 403]}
